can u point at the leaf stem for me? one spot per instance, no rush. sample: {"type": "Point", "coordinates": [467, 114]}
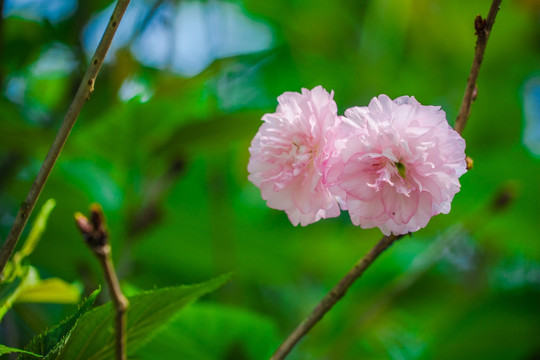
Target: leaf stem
{"type": "Point", "coordinates": [333, 296]}
{"type": "Point", "coordinates": [483, 30]}
{"type": "Point", "coordinates": [83, 93]}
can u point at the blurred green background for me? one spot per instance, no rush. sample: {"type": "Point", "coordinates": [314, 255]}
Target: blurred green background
{"type": "Point", "coordinates": [163, 143]}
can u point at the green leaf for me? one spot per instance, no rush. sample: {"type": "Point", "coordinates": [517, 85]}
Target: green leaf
{"type": "Point", "coordinates": [198, 334]}
{"type": "Point", "coordinates": [8, 350]}
{"type": "Point", "coordinates": [40, 224]}
{"type": "Point", "coordinates": [23, 283]}
{"type": "Point", "coordinates": [13, 267]}
{"type": "Point", "coordinates": [51, 342]}
{"type": "Point", "coordinates": [9, 290]}
{"type": "Point", "coordinates": [94, 336]}
{"type": "Point", "coordinates": [28, 287]}
{"type": "Point", "coordinates": [53, 290]}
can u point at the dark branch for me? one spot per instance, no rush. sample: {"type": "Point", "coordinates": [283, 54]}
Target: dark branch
{"type": "Point", "coordinates": [483, 30]}
{"type": "Point", "coordinates": [333, 296]}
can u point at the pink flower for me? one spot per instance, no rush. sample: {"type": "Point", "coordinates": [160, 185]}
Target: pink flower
{"type": "Point", "coordinates": [399, 164]}
{"type": "Point", "coordinates": [289, 155]}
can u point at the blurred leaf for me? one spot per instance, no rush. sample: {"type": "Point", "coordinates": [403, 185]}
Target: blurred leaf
{"type": "Point", "coordinates": [23, 283]}
{"type": "Point", "coordinates": [93, 339]}
{"type": "Point", "coordinates": [18, 135]}
{"type": "Point", "coordinates": [214, 332]}
{"type": "Point", "coordinates": [8, 350]}
{"type": "Point", "coordinates": [211, 133]}
{"type": "Point", "coordinates": [51, 290]}
{"type": "Point", "coordinates": [40, 224]}
{"type": "Point", "coordinates": [96, 180]}
{"type": "Point", "coordinates": [52, 341]}
{"type": "Point", "coordinates": [9, 290]}
{"type": "Point", "coordinates": [48, 93]}
{"type": "Point", "coordinates": [499, 327]}
{"type": "Point", "coordinates": [23, 38]}
{"type": "Point", "coordinates": [28, 287]}
{"type": "Point", "coordinates": [13, 266]}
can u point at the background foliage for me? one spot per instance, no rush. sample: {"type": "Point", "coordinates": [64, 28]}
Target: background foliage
{"type": "Point", "coordinates": [163, 146]}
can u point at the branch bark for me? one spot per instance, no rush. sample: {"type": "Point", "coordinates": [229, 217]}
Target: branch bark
{"type": "Point", "coordinates": [483, 30]}
{"type": "Point", "coordinates": [83, 93]}
{"type": "Point", "coordinates": [96, 236]}
{"type": "Point", "coordinates": [333, 296]}
{"type": "Point", "coordinates": [120, 301]}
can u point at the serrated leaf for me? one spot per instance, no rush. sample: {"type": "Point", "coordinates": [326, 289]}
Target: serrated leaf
{"type": "Point", "coordinates": [52, 341]}
{"type": "Point", "coordinates": [8, 350]}
{"type": "Point", "coordinates": [94, 336]}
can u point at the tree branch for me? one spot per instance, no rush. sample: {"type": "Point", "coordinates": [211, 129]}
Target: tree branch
{"type": "Point", "coordinates": [120, 301]}
{"type": "Point", "coordinates": [96, 236]}
{"type": "Point", "coordinates": [483, 30]}
{"type": "Point", "coordinates": [333, 296]}
{"type": "Point", "coordinates": [83, 93]}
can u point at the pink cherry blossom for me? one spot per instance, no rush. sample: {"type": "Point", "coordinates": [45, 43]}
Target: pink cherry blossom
{"type": "Point", "coordinates": [398, 165]}
{"type": "Point", "coordinates": [289, 155]}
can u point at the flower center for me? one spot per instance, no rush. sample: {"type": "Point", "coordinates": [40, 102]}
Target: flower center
{"type": "Point", "coordinates": [300, 155]}
{"type": "Point", "coordinates": [301, 151]}
{"type": "Point", "coordinates": [400, 168]}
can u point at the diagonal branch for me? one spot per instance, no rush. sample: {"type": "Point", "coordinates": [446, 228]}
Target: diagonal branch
{"type": "Point", "coordinates": [483, 30]}
{"type": "Point", "coordinates": [83, 93]}
{"type": "Point", "coordinates": [334, 296]}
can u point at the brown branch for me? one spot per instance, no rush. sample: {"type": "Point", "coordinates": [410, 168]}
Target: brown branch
{"type": "Point", "coordinates": [120, 301]}
{"type": "Point", "coordinates": [483, 30]}
{"type": "Point", "coordinates": [333, 296]}
{"type": "Point", "coordinates": [96, 237]}
{"type": "Point", "coordinates": [83, 93]}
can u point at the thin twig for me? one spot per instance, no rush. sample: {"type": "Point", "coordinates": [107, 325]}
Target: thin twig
{"type": "Point", "coordinates": [453, 239]}
{"type": "Point", "coordinates": [83, 93]}
{"type": "Point", "coordinates": [483, 30]}
{"type": "Point", "coordinates": [96, 237]}
{"type": "Point", "coordinates": [333, 296]}
{"type": "Point", "coordinates": [119, 300]}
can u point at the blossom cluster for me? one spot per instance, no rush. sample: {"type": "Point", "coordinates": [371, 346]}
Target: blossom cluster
{"type": "Point", "coordinates": [392, 164]}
